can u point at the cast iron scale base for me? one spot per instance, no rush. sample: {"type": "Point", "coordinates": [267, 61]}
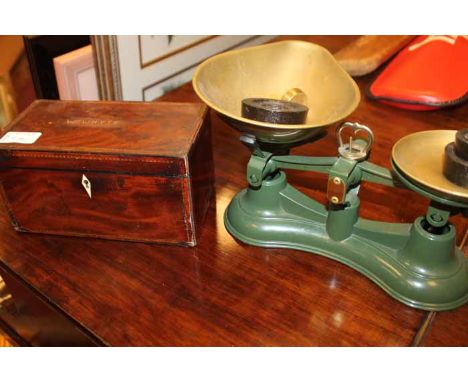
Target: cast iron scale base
{"type": "Point", "coordinates": [418, 264]}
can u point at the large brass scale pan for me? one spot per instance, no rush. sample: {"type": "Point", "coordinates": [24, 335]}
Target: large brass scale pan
{"type": "Point", "coordinates": [418, 264]}
{"type": "Point", "coordinates": [290, 70]}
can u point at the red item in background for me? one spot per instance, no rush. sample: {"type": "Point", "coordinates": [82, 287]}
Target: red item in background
{"type": "Point", "coordinates": [430, 73]}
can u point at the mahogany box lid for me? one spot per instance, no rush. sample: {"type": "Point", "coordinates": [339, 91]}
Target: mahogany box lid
{"type": "Point", "coordinates": [102, 129]}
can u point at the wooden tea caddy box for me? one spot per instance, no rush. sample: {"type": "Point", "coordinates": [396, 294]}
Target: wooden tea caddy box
{"type": "Point", "coordinates": [116, 170]}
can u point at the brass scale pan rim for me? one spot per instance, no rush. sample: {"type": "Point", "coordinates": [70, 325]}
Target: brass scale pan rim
{"type": "Point", "coordinates": [251, 122]}
{"type": "Point", "coordinates": [426, 169]}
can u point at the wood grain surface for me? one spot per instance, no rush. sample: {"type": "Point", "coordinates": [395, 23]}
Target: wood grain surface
{"type": "Point", "coordinates": [149, 167]}
{"type": "Point", "coordinates": [125, 128]}
{"type": "Point", "coordinates": [124, 207]}
{"type": "Point", "coordinates": [448, 328]}
{"type": "Point", "coordinates": [223, 292]}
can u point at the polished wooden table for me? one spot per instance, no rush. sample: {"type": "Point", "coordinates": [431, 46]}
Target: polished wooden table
{"type": "Point", "coordinates": [90, 291]}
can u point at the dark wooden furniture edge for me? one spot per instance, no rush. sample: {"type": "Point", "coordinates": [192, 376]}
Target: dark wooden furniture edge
{"type": "Point", "coordinates": [17, 338]}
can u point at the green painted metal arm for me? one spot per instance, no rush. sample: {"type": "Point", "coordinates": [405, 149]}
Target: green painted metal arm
{"type": "Point", "coordinates": [370, 172]}
{"type": "Point", "coordinates": [377, 174]}
{"type": "Point", "coordinates": [297, 162]}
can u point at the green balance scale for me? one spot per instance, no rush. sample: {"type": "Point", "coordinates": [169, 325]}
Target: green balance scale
{"type": "Point", "coordinates": [285, 94]}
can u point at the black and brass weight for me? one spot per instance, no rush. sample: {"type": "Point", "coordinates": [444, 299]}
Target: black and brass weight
{"type": "Point", "coordinates": [456, 159]}
{"type": "Point", "coordinates": [274, 111]}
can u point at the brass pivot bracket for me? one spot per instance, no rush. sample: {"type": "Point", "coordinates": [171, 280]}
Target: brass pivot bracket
{"type": "Point", "coordinates": [360, 140]}
{"type": "Point", "coordinates": [341, 177]}
{"type": "Point", "coordinates": [352, 167]}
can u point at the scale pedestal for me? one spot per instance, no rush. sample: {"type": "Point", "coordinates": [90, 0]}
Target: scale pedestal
{"type": "Point", "coordinates": [420, 269]}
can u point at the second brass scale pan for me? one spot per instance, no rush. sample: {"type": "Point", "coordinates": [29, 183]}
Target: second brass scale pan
{"type": "Point", "coordinates": [419, 158]}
